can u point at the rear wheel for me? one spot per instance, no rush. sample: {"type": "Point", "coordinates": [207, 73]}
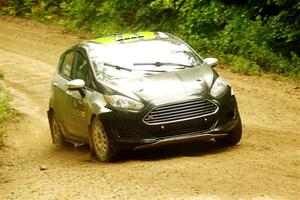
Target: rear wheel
{"type": "Point", "coordinates": [56, 132]}
{"type": "Point", "coordinates": [100, 141]}
{"type": "Point", "coordinates": [233, 137]}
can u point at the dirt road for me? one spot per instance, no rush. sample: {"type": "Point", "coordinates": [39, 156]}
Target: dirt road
{"type": "Point", "coordinates": [265, 165]}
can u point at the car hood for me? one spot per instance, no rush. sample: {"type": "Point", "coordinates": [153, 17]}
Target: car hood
{"type": "Point", "coordinates": [176, 85]}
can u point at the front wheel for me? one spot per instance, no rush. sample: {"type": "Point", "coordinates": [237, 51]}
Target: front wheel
{"type": "Point", "coordinates": [233, 137]}
{"type": "Point", "coordinates": [100, 141]}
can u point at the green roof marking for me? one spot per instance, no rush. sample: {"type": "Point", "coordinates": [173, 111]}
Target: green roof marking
{"type": "Point", "coordinates": [128, 37]}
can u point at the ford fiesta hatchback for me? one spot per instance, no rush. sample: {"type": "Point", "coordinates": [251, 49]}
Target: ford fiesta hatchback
{"type": "Point", "coordinates": [134, 91]}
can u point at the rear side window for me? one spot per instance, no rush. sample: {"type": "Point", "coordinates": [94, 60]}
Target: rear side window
{"type": "Point", "coordinates": [66, 66]}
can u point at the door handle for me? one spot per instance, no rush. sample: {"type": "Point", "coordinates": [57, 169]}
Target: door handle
{"type": "Point", "coordinates": [54, 84]}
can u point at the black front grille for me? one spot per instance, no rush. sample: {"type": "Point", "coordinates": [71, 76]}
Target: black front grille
{"type": "Point", "coordinates": [180, 111]}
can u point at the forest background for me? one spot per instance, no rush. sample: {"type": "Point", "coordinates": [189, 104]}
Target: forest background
{"type": "Point", "coordinates": [249, 36]}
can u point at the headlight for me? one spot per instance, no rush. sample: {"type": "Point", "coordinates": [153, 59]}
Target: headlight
{"type": "Point", "coordinates": [123, 102]}
{"type": "Point", "coordinates": [218, 87]}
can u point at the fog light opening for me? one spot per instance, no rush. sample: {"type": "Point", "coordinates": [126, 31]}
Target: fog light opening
{"type": "Point", "coordinates": [232, 114]}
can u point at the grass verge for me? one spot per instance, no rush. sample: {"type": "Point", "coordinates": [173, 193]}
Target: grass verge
{"type": "Point", "coordinates": [5, 111]}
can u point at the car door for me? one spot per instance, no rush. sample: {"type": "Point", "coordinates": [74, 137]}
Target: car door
{"type": "Point", "coordinates": [77, 105]}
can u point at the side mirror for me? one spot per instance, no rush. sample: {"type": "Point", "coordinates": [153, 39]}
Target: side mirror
{"type": "Point", "coordinates": [212, 62]}
{"type": "Point", "coordinates": [76, 85]}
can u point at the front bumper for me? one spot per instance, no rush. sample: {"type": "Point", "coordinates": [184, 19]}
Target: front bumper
{"type": "Point", "coordinates": [179, 139]}
{"type": "Point", "coordinates": [127, 130]}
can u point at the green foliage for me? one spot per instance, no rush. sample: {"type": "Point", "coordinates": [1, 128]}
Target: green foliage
{"type": "Point", "coordinates": [259, 35]}
{"type": "Point", "coordinates": [242, 65]}
{"type": "Point", "coordinates": [5, 98]}
{"type": "Point", "coordinates": [78, 13]}
{"type": "Point", "coordinates": [43, 10]}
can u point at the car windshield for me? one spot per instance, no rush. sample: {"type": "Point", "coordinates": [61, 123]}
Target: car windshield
{"type": "Point", "coordinates": [139, 58]}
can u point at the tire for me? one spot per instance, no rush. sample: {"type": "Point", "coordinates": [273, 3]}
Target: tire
{"type": "Point", "coordinates": [100, 141]}
{"type": "Point", "coordinates": [56, 132]}
{"type": "Point", "coordinates": [233, 137]}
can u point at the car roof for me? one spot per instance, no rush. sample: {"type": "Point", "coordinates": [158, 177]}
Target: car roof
{"type": "Point", "coordinates": [132, 37]}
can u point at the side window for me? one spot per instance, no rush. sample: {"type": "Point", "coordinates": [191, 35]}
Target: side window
{"type": "Point", "coordinates": [81, 70]}
{"type": "Point", "coordinates": [65, 68]}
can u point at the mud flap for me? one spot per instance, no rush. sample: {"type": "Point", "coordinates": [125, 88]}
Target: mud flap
{"type": "Point", "coordinates": [49, 115]}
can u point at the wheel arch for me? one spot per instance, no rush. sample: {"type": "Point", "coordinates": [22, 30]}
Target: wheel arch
{"type": "Point", "coordinates": [90, 132]}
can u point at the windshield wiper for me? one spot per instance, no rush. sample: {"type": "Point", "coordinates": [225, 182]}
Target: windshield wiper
{"type": "Point", "coordinates": [118, 67]}
{"type": "Point", "coordinates": [158, 64]}
{"type": "Point", "coordinates": [131, 70]}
